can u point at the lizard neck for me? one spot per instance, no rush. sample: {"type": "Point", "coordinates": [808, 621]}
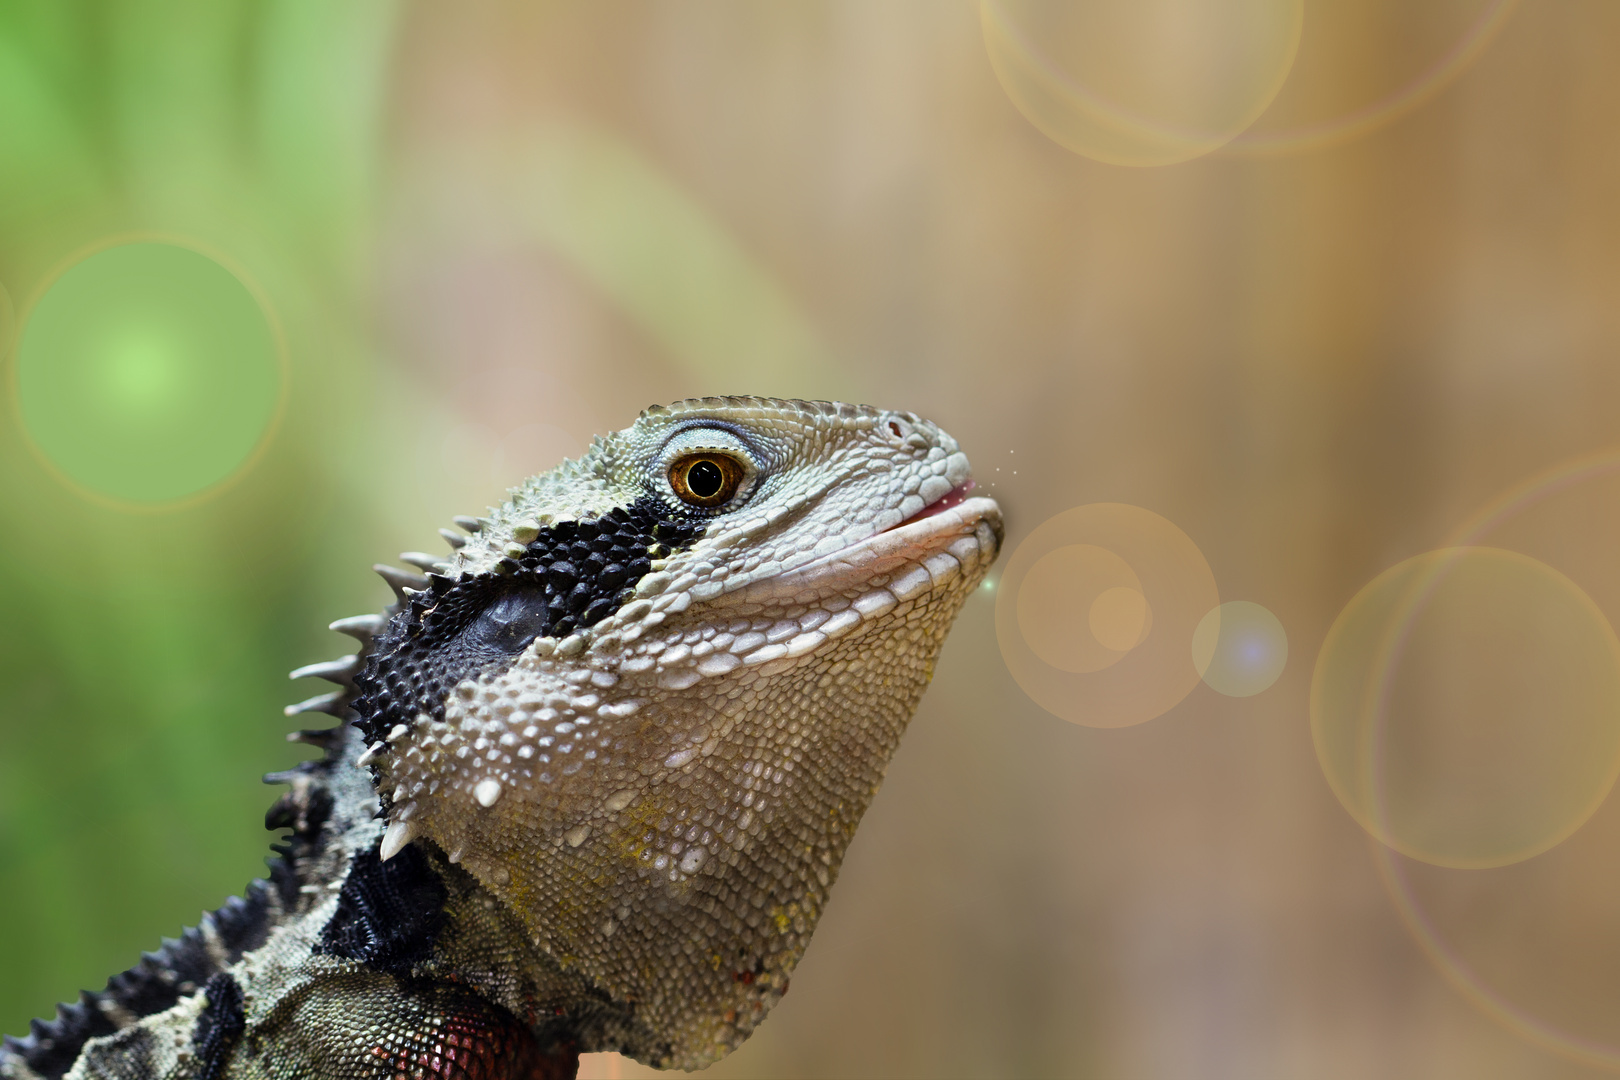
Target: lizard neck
{"type": "Point", "coordinates": [419, 917]}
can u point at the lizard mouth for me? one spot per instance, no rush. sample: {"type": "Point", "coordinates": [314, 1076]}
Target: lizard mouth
{"type": "Point", "coordinates": [948, 501]}
{"type": "Point", "coordinates": [937, 528]}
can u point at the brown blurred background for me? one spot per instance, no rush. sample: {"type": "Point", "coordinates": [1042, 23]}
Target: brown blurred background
{"type": "Point", "coordinates": [1316, 352]}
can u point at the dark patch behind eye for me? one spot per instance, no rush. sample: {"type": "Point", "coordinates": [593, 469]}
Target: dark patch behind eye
{"type": "Point", "coordinates": [389, 914]}
{"type": "Point", "coordinates": [572, 576]}
{"type": "Point", "coordinates": [510, 622]}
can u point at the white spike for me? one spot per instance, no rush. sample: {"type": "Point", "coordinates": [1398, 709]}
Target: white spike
{"type": "Point", "coordinates": [400, 580]}
{"type": "Point", "coordinates": [468, 524]}
{"type": "Point", "coordinates": [487, 791]}
{"type": "Point", "coordinates": [337, 671]}
{"type": "Point", "coordinates": [455, 540]}
{"type": "Point", "coordinates": [423, 561]}
{"type": "Point", "coordinates": [394, 840]}
{"type": "Point", "coordinates": [360, 627]}
{"type": "Point", "coordinates": [330, 704]}
{"type": "Point", "coordinates": [369, 755]}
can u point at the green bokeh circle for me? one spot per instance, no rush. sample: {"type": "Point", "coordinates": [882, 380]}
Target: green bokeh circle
{"type": "Point", "coordinates": [148, 373]}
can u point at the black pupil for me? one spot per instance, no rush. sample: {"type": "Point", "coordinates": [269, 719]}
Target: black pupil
{"type": "Point", "coordinates": [704, 479]}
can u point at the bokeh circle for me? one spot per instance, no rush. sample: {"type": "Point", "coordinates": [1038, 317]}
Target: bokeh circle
{"type": "Point", "coordinates": [1078, 578]}
{"type": "Point", "coordinates": [1466, 707]}
{"type": "Point", "coordinates": [147, 373]}
{"type": "Point", "coordinates": [1534, 944]}
{"type": "Point", "coordinates": [1141, 82]}
{"type": "Point", "coordinates": [1095, 614]}
{"type": "Point", "coordinates": [1239, 648]}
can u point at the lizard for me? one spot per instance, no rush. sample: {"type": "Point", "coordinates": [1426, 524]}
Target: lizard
{"type": "Point", "coordinates": [593, 774]}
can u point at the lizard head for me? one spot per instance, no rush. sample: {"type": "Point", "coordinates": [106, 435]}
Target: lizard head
{"type": "Point", "coordinates": [648, 702]}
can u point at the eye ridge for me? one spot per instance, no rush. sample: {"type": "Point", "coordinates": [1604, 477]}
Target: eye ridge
{"type": "Point", "coordinates": [706, 479]}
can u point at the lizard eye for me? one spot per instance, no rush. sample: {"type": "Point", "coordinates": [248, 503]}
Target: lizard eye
{"type": "Point", "coordinates": [707, 479]}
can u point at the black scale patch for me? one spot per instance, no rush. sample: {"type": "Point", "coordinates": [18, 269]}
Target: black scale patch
{"type": "Point", "coordinates": [389, 913]}
{"type": "Point", "coordinates": [222, 1022]}
{"type": "Point", "coordinates": [573, 575]}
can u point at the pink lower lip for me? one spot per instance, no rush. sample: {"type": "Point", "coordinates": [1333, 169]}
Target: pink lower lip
{"type": "Point", "coordinates": [952, 498]}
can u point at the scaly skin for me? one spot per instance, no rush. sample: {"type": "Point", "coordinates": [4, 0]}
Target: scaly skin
{"type": "Point", "coordinates": [596, 773]}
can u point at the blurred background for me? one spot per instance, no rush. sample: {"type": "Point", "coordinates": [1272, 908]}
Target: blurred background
{"type": "Point", "coordinates": [1281, 742]}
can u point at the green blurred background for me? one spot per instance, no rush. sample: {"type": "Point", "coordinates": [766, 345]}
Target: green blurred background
{"type": "Point", "coordinates": [449, 243]}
